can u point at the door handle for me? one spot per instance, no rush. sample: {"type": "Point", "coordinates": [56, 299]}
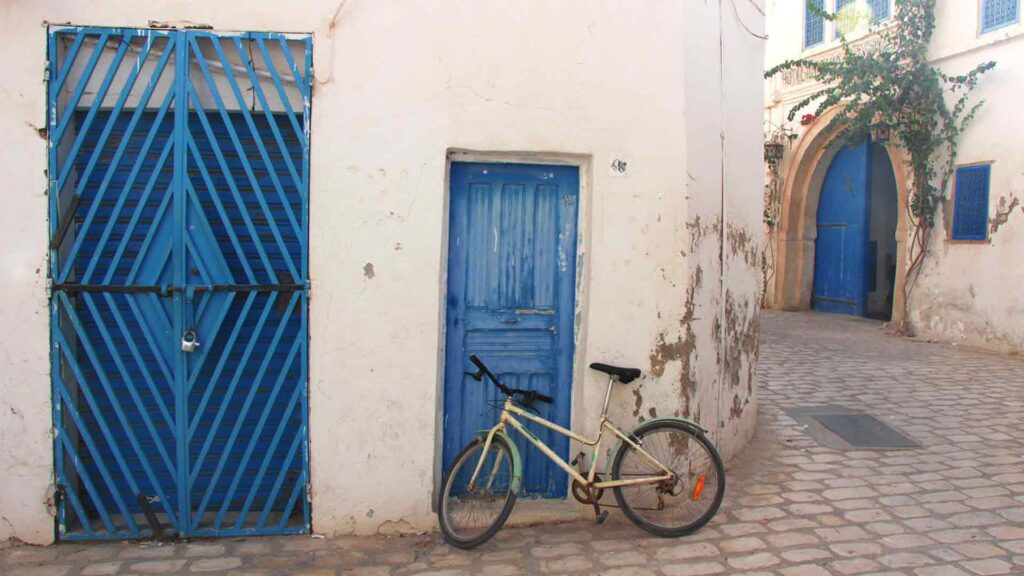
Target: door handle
{"type": "Point", "coordinates": [510, 320]}
{"type": "Point", "coordinates": [189, 340]}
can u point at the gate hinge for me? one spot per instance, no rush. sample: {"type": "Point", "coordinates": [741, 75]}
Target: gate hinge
{"type": "Point", "coordinates": [46, 71]}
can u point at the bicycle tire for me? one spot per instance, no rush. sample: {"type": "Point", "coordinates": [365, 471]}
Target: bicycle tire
{"type": "Point", "coordinates": [465, 457]}
{"type": "Point", "coordinates": [713, 463]}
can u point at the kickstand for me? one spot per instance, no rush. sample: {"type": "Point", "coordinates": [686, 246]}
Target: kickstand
{"type": "Point", "coordinates": [600, 516]}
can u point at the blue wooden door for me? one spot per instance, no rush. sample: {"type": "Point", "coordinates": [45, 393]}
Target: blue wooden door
{"type": "Point", "coordinates": [841, 255]}
{"type": "Point", "coordinates": [510, 298]}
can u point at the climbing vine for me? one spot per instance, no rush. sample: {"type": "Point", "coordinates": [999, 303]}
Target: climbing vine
{"type": "Point", "coordinates": [890, 83]}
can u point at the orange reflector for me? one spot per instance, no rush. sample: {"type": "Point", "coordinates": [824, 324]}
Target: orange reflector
{"type": "Point", "coordinates": [698, 488]}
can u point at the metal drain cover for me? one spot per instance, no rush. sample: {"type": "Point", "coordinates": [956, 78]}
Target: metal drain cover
{"type": "Point", "coordinates": [864, 431]}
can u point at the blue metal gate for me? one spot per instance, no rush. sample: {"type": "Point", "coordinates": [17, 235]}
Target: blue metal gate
{"type": "Point", "coordinates": [511, 289]}
{"type": "Point", "coordinates": [841, 252]}
{"type": "Point", "coordinates": [178, 220]}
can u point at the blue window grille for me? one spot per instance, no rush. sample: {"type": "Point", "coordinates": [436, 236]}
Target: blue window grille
{"type": "Point", "coordinates": [814, 24]}
{"type": "Point", "coordinates": [996, 14]}
{"type": "Point", "coordinates": [880, 11]}
{"type": "Point", "coordinates": [970, 203]}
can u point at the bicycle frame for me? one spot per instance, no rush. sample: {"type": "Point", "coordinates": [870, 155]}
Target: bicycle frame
{"type": "Point", "coordinates": [507, 419]}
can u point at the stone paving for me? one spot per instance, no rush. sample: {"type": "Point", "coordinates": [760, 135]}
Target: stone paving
{"type": "Point", "coordinates": [794, 507]}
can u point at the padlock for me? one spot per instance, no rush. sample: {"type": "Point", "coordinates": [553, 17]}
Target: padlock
{"type": "Point", "coordinates": [189, 343]}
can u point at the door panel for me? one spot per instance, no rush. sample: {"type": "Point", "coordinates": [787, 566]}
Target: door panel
{"type": "Point", "coordinates": [179, 207]}
{"type": "Point", "coordinates": [511, 289]}
{"type": "Point", "coordinates": [841, 249]}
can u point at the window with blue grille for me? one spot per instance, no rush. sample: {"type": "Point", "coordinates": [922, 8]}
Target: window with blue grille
{"type": "Point", "coordinates": [848, 23]}
{"type": "Point", "coordinates": [998, 13]}
{"type": "Point", "coordinates": [970, 203]}
{"type": "Point", "coordinates": [881, 10]}
{"type": "Point", "coordinates": [814, 24]}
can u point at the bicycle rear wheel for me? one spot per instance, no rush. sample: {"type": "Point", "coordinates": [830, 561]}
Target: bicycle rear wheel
{"type": "Point", "coordinates": [472, 515]}
{"type": "Point", "coordinates": [670, 509]}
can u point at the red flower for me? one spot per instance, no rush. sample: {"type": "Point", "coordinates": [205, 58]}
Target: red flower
{"type": "Point", "coordinates": [807, 119]}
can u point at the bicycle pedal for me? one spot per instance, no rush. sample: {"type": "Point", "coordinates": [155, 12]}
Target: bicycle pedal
{"type": "Point", "coordinates": [602, 517]}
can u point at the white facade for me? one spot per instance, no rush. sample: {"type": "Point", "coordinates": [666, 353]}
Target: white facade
{"type": "Point", "coordinates": [968, 291]}
{"type": "Point", "coordinates": [671, 87]}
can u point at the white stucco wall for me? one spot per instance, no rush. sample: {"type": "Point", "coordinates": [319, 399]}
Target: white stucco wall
{"type": "Point", "coordinates": [966, 290]}
{"type": "Point", "coordinates": [397, 86]}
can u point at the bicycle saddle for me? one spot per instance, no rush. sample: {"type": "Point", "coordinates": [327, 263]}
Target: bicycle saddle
{"type": "Point", "coordinates": [625, 375]}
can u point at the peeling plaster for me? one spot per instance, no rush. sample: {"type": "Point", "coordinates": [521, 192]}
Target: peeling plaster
{"type": "Point", "coordinates": [1002, 214]}
{"type": "Point", "coordinates": [683, 349]}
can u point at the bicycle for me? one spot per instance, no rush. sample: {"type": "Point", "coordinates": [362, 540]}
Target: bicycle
{"type": "Point", "coordinates": [685, 479]}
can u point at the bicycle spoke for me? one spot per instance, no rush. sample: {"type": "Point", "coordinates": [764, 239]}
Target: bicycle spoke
{"type": "Point", "coordinates": [470, 513]}
{"type": "Point", "coordinates": [688, 499]}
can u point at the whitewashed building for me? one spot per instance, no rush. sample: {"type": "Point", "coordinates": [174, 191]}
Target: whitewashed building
{"type": "Point", "coordinates": [968, 290]}
{"type": "Point", "coordinates": [247, 243]}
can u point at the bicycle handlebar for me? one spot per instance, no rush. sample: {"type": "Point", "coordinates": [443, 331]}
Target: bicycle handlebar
{"type": "Point", "coordinates": [530, 395]}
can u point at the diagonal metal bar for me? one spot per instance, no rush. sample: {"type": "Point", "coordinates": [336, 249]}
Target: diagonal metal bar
{"type": "Point", "coordinates": [140, 362]}
{"type": "Point", "coordinates": [254, 131]}
{"type": "Point", "coordinates": [214, 428]}
{"type": "Point", "coordinates": [97, 105]}
{"type": "Point", "coordinates": [281, 92]}
{"type": "Point", "coordinates": [139, 209]}
{"type": "Point", "coordinates": [90, 489]}
{"type": "Point", "coordinates": [147, 335]}
{"type": "Point", "coordinates": [131, 341]}
{"type": "Point", "coordinates": [226, 170]}
{"type": "Point", "coordinates": [158, 220]}
{"type": "Point", "coordinates": [69, 59]}
{"type": "Point", "coordinates": [203, 224]}
{"type": "Point", "coordinates": [268, 454]}
{"type": "Point", "coordinates": [57, 129]}
{"type": "Point", "coordinates": [271, 351]}
{"type": "Point", "coordinates": [61, 397]}
{"type": "Point", "coordinates": [111, 122]}
{"type": "Point", "coordinates": [114, 162]}
{"type": "Point", "coordinates": [298, 488]}
{"type": "Point", "coordinates": [83, 386]}
{"type": "Point", "coordinates": [128, 430]}
{"type": "Point", "coordinates": [205, 352]}
{"type": "Point", "coordinates": [190, 249]}
{"type": "Point", "coordinates": [222, 362]}
{"type": "Point", "coordinates": [221, 213]}
{"type": "Point", "coordinates": [300, 80]}
{"type": "Point", "coordinates": [242, 157]}
{"type": "Point", "coordinates": [282, 475]}
{"type": "Point", "coordinates": [279, 140]}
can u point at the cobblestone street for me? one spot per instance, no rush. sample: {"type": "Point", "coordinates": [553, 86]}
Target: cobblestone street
{"type": "Point", "coordinates": [794, 507]}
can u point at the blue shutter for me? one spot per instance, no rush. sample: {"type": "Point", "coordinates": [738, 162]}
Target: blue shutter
{"type": "Point", "coordinates": [998, 13]}
{"type": "Point", "coordinates": [814, 24]}
{"type": "Point", "coordinates": [970, 203]}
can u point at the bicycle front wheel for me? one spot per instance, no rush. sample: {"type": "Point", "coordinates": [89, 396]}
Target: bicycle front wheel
{"type": "Point", "coordinates": [471, 513]}
{"type": "Point", "coordinates": [679, 507]}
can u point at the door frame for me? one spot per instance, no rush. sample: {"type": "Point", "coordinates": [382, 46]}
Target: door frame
{"type": "Point", "coordinates": [582, 278]}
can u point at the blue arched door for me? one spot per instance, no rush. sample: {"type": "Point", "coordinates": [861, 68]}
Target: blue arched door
{"type": "Point", "coordinates": [841, 253]}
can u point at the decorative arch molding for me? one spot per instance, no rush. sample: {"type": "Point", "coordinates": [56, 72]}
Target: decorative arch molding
{"type": "Point", "coordinates": [798, 230]}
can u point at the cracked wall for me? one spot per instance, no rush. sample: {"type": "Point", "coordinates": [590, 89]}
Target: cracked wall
{"type": "Point", "coordinates": [397, 86]}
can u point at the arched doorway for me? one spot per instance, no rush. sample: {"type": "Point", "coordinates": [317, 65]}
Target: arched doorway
{"type": "Point", "coordinates": [805, 170]}
{"type": "Point", "coordinates": [855, 248]}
